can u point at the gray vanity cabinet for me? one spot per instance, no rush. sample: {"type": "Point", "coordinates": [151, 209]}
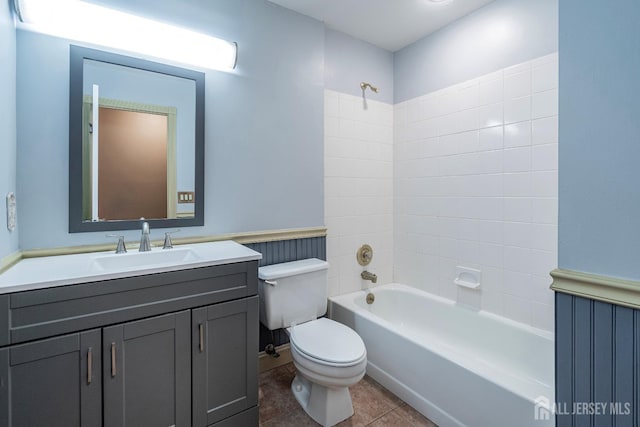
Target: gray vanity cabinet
{"type": "Point", "coordinates": [171, 349]}
{"type": "Point", "coordinates": [54, 382]}
{"type": "Point", "coordinates": [147, 372]}
{"type": "Point", "coordinates": [224, 347]}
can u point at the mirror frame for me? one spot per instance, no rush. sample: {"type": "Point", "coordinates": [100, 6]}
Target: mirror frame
{"type": "Point", "coordinates": [77, 56]}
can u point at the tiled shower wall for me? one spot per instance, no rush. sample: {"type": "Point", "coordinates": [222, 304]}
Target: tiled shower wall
{"type": "Point", "coordinates": [475, 185]}
{"type": "Point", "coordinates": [358, 162]}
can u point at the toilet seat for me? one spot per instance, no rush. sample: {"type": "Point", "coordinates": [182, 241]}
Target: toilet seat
{"type": "Point", "coordinates": [328, 343]}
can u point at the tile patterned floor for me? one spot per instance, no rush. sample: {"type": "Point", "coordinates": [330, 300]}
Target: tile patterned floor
{"type": "Point", "coordinates": [374, 406]}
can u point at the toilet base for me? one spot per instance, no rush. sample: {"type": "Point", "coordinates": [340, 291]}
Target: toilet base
{"type": "Point", "coordinates": [325, 405]}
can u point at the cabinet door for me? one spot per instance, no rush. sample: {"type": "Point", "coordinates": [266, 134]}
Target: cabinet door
{"type": "Point", "coordinates": [147, 372]}
{"type": "Point", "coordinates": [52, 382]}
{"type": "Point", "coordinates": [225, 360]}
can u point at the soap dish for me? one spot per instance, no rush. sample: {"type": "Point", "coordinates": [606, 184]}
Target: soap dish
{"type": "Point", "coordinates": [468, 277]}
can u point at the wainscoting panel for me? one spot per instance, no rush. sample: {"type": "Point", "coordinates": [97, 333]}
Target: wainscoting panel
{"type": "Point", "coordinates": [276, 252]}
{"type": "Point", "coordinates": [597, 362]}
{"type": "Point", "coordinates": [290, 250]}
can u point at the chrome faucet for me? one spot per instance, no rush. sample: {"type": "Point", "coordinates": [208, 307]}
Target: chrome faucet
{"type": "Point", "coordinates": [121, 248]}
{"type": "Point", "coordinates": [369, 276]}
{"type": "Point", "coordinates": [145, 245]}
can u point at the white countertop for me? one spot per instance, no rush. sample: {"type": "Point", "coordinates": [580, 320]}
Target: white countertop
{"type": "Point", "coordinates": [45, 272]}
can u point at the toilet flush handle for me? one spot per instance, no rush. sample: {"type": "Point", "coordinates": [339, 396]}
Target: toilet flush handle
{"type": "Point", "coordinates": [271, 282]}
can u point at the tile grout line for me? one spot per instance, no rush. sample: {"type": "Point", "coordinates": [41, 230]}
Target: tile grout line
{"type": "Point", "coordinates": [384, 414]}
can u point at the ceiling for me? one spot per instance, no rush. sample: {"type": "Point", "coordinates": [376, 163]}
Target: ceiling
{"type": "Point", "coordinates": [389, 24]}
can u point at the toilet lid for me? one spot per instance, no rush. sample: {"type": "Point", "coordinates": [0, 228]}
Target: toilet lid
{"type": "Point", "coordinates": [329, 341]}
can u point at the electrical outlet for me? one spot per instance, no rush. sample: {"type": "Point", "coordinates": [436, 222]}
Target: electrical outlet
{"type": "Point", "coordinates": [11, 211]}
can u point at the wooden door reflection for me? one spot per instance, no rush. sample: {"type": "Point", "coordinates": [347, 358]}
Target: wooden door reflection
{"type": "Point", "coordinates": [132, 165]}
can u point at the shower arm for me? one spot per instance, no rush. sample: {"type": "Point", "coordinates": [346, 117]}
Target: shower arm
{"type": "Point", "coordinates": [365, 85]}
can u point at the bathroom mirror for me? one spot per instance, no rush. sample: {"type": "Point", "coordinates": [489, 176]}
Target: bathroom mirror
{"type": "Point", "coordinates": [136, 143]}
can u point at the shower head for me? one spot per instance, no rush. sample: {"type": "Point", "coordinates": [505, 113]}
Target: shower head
{"type": "Point", "coordinates": [365, 85]}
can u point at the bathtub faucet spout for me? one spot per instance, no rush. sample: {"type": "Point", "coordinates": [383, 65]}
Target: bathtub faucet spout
{"type": "Point", "coordinates": [369, 276]}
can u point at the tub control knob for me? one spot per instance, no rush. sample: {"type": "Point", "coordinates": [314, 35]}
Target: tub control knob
{"type": "Point", "coordinates": [364, 255]}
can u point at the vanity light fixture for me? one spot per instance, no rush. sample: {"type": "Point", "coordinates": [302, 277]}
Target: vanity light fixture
{"type": "Point", "coordinates": [83, 21]}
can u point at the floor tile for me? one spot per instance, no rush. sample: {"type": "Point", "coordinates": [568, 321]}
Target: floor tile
{"type": "Point", "coordinates": [373, 405]}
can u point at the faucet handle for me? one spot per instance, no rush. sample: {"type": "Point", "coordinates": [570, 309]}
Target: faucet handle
{"type": "Point", "coordinates": [168, 244]}
{"type": "Point", "coordinates": [121, 248]}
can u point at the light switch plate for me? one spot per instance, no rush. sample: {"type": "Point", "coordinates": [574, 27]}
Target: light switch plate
{"type": "Point", "coordinates": [11, 211]}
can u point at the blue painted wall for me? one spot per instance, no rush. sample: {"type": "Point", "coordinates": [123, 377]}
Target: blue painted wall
{"type": "Point", "coordinates": [8, 241]}
{"type": "Point", "coordinates": [349, 61]}
{"type": "Point", "coordinates": [598, 344]}
{"type": "Point", "coordinates": [264, 123]}
{"type": "Point", "coordinates": [599, 222]}
{"type": "Point", "coordinates": [503, 33]}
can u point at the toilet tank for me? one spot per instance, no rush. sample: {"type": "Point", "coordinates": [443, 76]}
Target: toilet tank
{"type": "Point", "coordinates": [292, 292]}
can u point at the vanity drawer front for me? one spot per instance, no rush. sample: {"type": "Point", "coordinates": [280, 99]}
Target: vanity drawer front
{"type": "Point", "coordinates": [54, 311]}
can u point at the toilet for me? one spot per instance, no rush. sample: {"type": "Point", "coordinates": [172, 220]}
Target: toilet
{"type": "Point", "coordinates": [328, 356]}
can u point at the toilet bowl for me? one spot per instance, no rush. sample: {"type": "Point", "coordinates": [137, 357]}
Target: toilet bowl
{"type": "Point", "coordinates": [328, 356]}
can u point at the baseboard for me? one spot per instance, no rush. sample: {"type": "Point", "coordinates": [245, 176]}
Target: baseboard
{"type": "Point", "coordinates": [267, 362]}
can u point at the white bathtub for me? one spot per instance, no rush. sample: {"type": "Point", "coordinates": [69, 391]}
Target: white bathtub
{"type": "Point", "coordinates": [457, 366]}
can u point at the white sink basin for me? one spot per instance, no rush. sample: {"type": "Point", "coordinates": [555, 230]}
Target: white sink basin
{"type": "Point", "coordinates": [132, 260]}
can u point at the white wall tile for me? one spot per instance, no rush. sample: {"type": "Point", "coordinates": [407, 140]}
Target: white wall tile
{"type": "Point", "coordinates": [467, 96]}
{"type": "Point", "coordinates": [517, 69]}
{"type": "Point", "coordinates": [347, 106]}
{"type": "Point", "coordinates": [517, 134]}
{"type": "Point", "coordinates": [518, 209]}
{"type": "Point", "coordinates": [517, 110]}
{"type": "Point", "coordinates": [331, 104]}
{"type": "Point", "coordinates": [460, 121]}
{"type": "Point", "coordinates": [552, 57]}
{"type": "Point", "coordinates": [490, 92]}
{"type": "Point", "coordinates": [490, 115]}
{"type": "Point", "coordinates": [490, 254]}
{"type": "Point", "coordinates": [332, 126]}
{"type": "Point", "coordinates": [545, 76]}
{"type": "Point", "coordinates": [470, 298]}
{"type": "Point", "coordinates": [545, 104]}
{"type": "Point", "coordinates": [545, 210]}
{"type": "Point", "coordinates": [517, 159]}
{"type": "Point", "coordinates": [517, 85]}
{"type": "Point", "coordinates": [359, 186]}
{"type": "Point", "coordinates": [491, 232]}
{"type": "Point", "coordinates": [544, 237]}
{"type": "Point", "coordinates": [517, 259]}
{"type": "Point", "coordinates": [432, 185]}
{"type": "Point", "coordinates": [493, 302]}
{"type": "Point", "coordinates": [518, 309]}
{"type": "Point", "coordinates": [542, 262]}
{"type": "Point", "coordinates": [544, 157]}
{"type": "Point", "coordinates": [541, 289]}
{"type": "Point", "coordinates": [491, 138]}
{"type": "Point", "coordinates": [544, 131]}
{"type": "Point", "coordinates": [518, 234]}
{"type": "Point", "coordinates": [542, 316]}
{"type": "Point", "coordinates": [517, 184]}
{"type": "Point", "coordinates": [545, 184]}
{"type": "Point", "coordinates": [517, 284]}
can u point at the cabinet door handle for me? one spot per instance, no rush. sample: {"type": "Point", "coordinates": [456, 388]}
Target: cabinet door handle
{"type": "Point", "coordinates": [201, 329]}
{"type": "Point", "coordinates": [113, 360]}
{"type": "Point", "coordinates": [89, 365]}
